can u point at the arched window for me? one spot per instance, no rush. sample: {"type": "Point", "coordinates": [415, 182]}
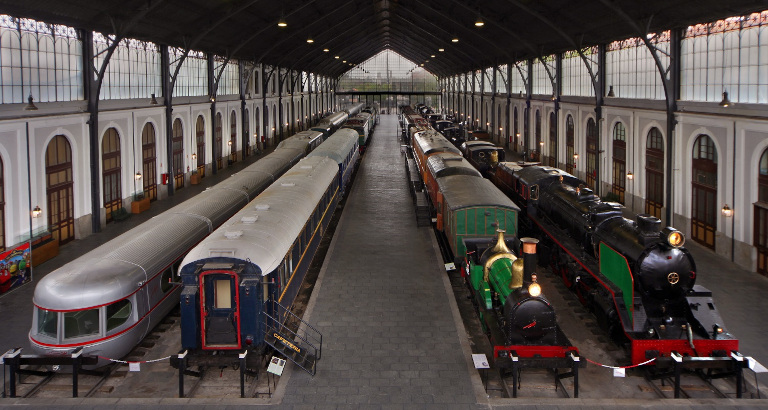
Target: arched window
{"type": "Point", "coordinates": [177, 142]}
{"type": "Point", "coordinates": [516, 131]}
{"type": "Point", "coordinates": [111, 168]}
{"type": "Point", "coordinates": [149, 161]}
{"type": "Point", "coordinates": [233, 137]}
{"type": "Point", "coordinates": [217, 146]}
{"type": "Point", "coordinates": [570, 161]}
{"type": "Point", "coordinates": [761, 215]}
{"type": "Point", "coordinates": [552, 139]}
{"type": "Point", "coordinates": [200, 139]}
{"type": "Point", "coordinates": [59, 189]}
{"type": "Point", "coordinates": [619, 161]}
{"type": "Point", "coordinates": [2, 207]}
{"type": "Point", "coordinates": [654, 173]}
{"type": "Point", "coordinates": [704, 191]}
{"type": "Point", "coordinates": [591, 154]}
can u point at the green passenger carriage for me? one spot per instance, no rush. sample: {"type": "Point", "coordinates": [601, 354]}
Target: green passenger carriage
{"type": "Point", "coordinates": [471, 207]}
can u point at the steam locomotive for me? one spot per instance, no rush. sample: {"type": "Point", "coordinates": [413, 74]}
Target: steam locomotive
{"type": "Point", "coordinates": [636, 277]}
{"type": "Point", "coordinates": [510, 302]}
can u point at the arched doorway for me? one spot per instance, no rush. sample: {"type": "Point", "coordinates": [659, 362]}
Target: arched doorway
{"type": "Point", "coordinates": [654, 173]}
{"type": "Point", "coordinates": [274, 121]}
{"type": "Point", "coordinates": [200, 140]}
{"type": "Point", "coordinates": [515, 128]}
{"type": "Point", "coordinates": [552, 139]}
{"type": "Point", "coordinates": [110, 169]}
{"type": "Point", "coordinates": [527, 133]}
{"type": "Point", "coordinates": [177, 142]}
{"type": "Point", "coordinates": [2, 207]}
{"type": "Point", "coordinates": [232, 137]}
{"type": "Point", "coordinates": [499, 122]}
{"type": "Point", "coordinates": [217, 146]}
{"type": "Point", "coordinates": [60, 189]}
{"type": "Point", "coordinates": [247, 132]}
{"type": "Point", "coordinates": [591, 154]}
{"type": "Point", "coordinates": [149, 161]}
{"type": "Point", "coordinates": [539, 145]}
{"type": "Point", "coordinates": [619, 185]}
{"type": "Point", "coordinates": [570, 161]}
{"type": "Point", "coordinates": [761, 215]}
{"type": "Point", "coordinates": [704, 191]}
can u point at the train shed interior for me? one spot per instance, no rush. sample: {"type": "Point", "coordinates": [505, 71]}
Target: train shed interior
{"type": "Point", "coordinates": [111, 113]}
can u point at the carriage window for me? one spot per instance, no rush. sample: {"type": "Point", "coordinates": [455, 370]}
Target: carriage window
{"type": "Point", "coordinates": [47, 322]}
{"type": "Point", "coordinates": [534, 192]}
{"type": "Point", "coordinates": [223, 294]}
{"type": "Point", "coordinates": [118, 313]}
{"type": "Point", "coordinates": [81, 323]}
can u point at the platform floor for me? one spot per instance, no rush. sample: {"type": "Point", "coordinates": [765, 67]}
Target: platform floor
{"type": "Point", "coordinates": [393, 336]}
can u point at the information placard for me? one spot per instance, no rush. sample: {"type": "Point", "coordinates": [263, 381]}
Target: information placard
{"type": "Point", "coordinates": [481, 361]}
{"type": "Point", "coordinates": [276, 366]}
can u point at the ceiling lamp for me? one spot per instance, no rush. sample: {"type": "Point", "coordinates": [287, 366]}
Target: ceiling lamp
{"type": "Point", "coordinates": [479, 22]}
{"type": "Point", "coordinates": [326, 50]}
{"type": "Point", "coordinates": [725, 102]}
{"type": "Point", "coordinates": [455, 40]}
{"type": "Point", "coordinates": [309, 40]}
{"type": "Point", "coordinates": [441, 49]}
{"type": "Point", "coordinates": [433, 56]}
{"type": "Point", "coordinates": [336, 57]}
{"type": "Point", "coordinates": [282, 23]}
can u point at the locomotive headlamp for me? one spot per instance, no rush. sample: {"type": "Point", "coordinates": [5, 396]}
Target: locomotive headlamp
{"type": "Point", "coordinates": [673, 237]}
{"type": "Point", "coordinates": [534, 289]}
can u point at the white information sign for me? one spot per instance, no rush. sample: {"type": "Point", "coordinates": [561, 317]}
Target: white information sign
{"type": "Point", "coordinates": [450, 266]}
{"type": "Point", "coordinates": [276, 366]}
{"type": "Point", "coordinates": [134, 366]}
{"type": "Point", "coordinates": [481, 362]}
{"type": "Point", "coordinates": [755, 365]}
{"type": "Point", "coordinates": [621, 372]}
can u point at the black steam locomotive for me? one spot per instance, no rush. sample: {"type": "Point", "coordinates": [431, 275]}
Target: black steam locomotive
{"type": "Point", "coordinates": [636, 277]}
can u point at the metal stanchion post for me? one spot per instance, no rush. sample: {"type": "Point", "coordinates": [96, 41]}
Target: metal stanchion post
{"type": "Point", "coordinates": [182, 368]}
{"type": "Point", "coordinates": [242, 373]}
{"type": "Point", "coordinates": [76, 362]}
{"type": "Point", "coordinates": [678, 368]}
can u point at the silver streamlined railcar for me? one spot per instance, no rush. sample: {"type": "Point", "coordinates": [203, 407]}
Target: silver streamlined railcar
{"type": "Point", "coordinates": [329, 124]}
{"type": "Point", "coordinates": [107, 300]}
{"type": "Point", "coordinates": [257, 259]}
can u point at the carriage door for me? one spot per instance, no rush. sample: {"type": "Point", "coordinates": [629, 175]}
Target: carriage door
{"type": "Point", "coordinates": [220, 315]}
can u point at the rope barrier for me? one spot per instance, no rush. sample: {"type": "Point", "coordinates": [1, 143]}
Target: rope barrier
{"type": "Point", "coordinates": [140, 361]}
{"type": "Point", "coordinates": [620, 367]}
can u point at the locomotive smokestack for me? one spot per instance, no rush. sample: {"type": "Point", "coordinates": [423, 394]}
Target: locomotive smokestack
{"type": "Point", "coordinates": [529, 257]}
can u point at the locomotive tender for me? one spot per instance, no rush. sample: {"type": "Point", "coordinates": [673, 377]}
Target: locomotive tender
{"type": "Point", "coordinates": [259, 257]}
{"type": "Point", "coordinates": [109, 299]}
{"type": "Point", "coordinates": [637, 277]}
